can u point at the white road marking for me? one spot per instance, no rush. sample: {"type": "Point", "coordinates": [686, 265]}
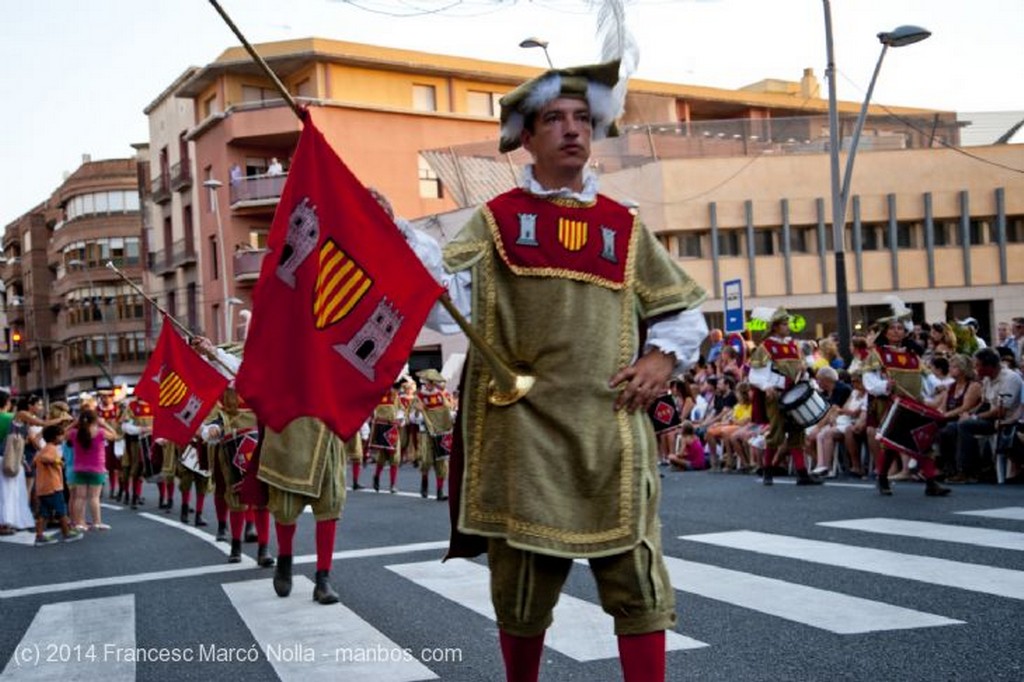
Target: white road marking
{"type": "Point", "coordinates": [1011, 513]}
{"type": "Point", "coordinates": [1001, 582]}
{"type": "Point", "coordinates": [89, 639]}
{"type": "Point", "coordinates": [832, 611]}
{"type": "Point", "coordinates": [305, 641]}
{"type": "Point", "coordinates": [581, 630]}
{"type": "Point", "coordinates": [224, 548]}
{"type": "Point", "coordinates": [982, 537]}
{"type": "Point", "coordinates": [122, 580]}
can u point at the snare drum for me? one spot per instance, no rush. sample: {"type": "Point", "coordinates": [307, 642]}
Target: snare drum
{"type": "Point", "coordinates": [191, 460]}
{"type": "Point", "coordinates": [442, 445]}
{"type": "Point", "coordinates": [910, 427]}
{"type": "Point", "coordinates": [803, 405]}
{"type": "Point", "coordinates": [239, 446]}
{"type": "Point", "coordinates": [664, 414]}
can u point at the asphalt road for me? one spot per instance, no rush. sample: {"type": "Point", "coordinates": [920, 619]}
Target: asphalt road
{"type": "Point", "coordinates": [780, 583]}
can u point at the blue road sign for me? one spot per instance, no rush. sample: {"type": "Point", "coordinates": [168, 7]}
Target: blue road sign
{"type": "Point", "coordinates": [732, 294]}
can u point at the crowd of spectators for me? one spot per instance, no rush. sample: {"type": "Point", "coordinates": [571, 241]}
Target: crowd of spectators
{"type": "Point", "coordinates": [721, 428]}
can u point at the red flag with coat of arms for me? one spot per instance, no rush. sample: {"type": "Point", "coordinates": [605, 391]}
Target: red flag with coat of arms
{"type": "Point", "coordinates": [340, 299]}
{"type": "Point", "coordinates": [180, 386]}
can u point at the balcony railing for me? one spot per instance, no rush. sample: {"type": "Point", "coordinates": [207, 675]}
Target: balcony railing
{"type": "Point", "coordinates": [257, 190]}
{"type": "Point", "coordinates": [181, 175]}
{"type": "Point", "coordinates": [181, 253]}
{"type": "Point", "coordinates": [161, 189]}
{"type": "Point", "coordinates": [248, 263]}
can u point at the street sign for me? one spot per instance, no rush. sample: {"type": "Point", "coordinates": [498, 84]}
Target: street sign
{"type": "Point", "coordinates": [732, 294]}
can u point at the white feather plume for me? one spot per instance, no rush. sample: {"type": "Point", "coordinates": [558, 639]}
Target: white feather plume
{"type": "Point", "coordinates": [899, 308]}
{"type": "Point", "coordinates": [617, 43]}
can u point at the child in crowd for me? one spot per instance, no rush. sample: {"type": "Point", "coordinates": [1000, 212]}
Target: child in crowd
{"type": "Point", "coordinates": [691, 456]}
{"type": "Point", "coordinates": [49, 465]}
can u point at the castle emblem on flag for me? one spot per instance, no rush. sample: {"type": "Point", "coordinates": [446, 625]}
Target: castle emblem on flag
{"type": "Point", "coordinates": [572, 234]}
{"type": "Point", "coordinates": [300, 240]}
{"type": "Point", "coordinates": [340, 285]}
{"type": "Point", "coordinates": [368, 344]}
{"type": "Point", "coordinates": [172, 389]}
{"type": "Point", "coordinates": [188, 414]}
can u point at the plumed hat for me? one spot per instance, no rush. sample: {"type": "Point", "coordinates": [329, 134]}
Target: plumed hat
{"type": "Point", "coordinates": [431, 375]}
{"type": "Point", "coordinates": [593, 83]}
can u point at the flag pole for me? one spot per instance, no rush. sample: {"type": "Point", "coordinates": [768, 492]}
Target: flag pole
{"type": "Point", "coordinates": [260, 62]}
{"type": "Point", "coordinates": [167, 316]}
{"type": "Point", "coordinates": [507, 386]}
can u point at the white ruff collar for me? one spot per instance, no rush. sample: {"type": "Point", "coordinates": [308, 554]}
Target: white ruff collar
{"type": "Point", "coordinates": [589, 193]}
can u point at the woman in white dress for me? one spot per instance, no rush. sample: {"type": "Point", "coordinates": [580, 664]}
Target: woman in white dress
{"type": "Point", "coordinates": [15, 514]}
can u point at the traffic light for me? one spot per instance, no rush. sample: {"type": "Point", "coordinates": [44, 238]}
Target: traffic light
{"type": "Point", "coordinates": [16, 340]}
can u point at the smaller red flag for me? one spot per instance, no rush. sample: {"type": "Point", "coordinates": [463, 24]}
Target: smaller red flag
{"type": "Point", "coordinates": [180, 386]}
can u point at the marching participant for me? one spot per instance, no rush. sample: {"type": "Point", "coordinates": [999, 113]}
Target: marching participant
{"type": "Point", "coordinates": [892, 371]}
{"type": "Point", "coordinates": [108, 412]}
{"type": "Point", "coordinates": [137, 426]}
{"type": "Point", "coordinates": [386, 436]}
{"type": "Point", "coordinates": [192, 471]}
{"type": "Point", "coordinates": [776, 366]}
{"type": "Point", "coordinates": [561, 278]}
{"type": "Point", "coordinates": [231, 434]}
{"type": "Point", "coordinates": [433, 406]}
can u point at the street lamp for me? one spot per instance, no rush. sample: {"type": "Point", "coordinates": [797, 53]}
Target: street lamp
{"type": "Point", "coordinates": [903, 35]}
{"type": "Point", "coordinates": [542, 44]}
{"type": "Point", "coordinates": [75, 263]}
{"type": "Point", "coordinates": [213, 186]}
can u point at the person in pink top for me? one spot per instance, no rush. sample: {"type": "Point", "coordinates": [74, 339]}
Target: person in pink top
{"type": "Point", "coordinates": [693, 456]}
{"type": "Point", "coordinates": [89, 466]}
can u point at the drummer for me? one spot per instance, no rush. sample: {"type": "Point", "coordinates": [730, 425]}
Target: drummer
{"type": "Point", "coordinates": [775, 367]}
{"type": "Point", "coordinates": [892, 370]}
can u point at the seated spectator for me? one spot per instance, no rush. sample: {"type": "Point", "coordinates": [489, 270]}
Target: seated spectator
{"type": "Point", "coordinates": [830, 352]}
{"type": "Point", "coordinates": [692, 456]}
{"type": "Point", "coordinates": [846, 404]}
{"type": "Point", "coordinates": [957, 399]}
{"type": "Point", "coordinates": [721, 432]}
{"type": "Point", "coordinates": [1001, 391]}
{"type": "Point", "coordinates": [720, 409]}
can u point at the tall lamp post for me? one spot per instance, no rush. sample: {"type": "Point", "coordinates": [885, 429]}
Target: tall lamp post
{"type": "Point", "coordinates": [542, 44]}
{"type": "Point", "coordinates": [903, 35]}
{"type": "Point", "coordinates": [103, 318]}
{"type": "Point", "coordinates": [214, 187]}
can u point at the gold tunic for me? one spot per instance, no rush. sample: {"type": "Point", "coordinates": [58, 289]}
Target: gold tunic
{"type": "Point", "coordinates": [560, 471]}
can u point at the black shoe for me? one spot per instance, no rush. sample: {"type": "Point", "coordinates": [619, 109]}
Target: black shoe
{"type": "Point", "coordinates": [441, 497]}
{"type": "Point", "coordinates": [804, 478]}
{"type": "Point", "coordinates": [324, 593]}
{"type": "Point", "coordinates": [199, 521]}
{"type": "Point", "coordinates": [356, 486]}
{"type": "Point", "coordinates": [283, 576]}
{"type": "Point", "coordinates": [134, 503]}
{"type": "Point", "coordinates": [883, 486]}
{"type": "Point", "coordinates": [933, 489]}
{"type": "Point", "coordinates": [423, 488]}
{"type": "Point", "coordinates": [169, 507]}
{"type": "Point", "coordinates": [236, 552]}
{"type": "Point", "coordinates": [250, 532]}
{"type": "Point", "coordinates": [263, 558]}
{"type": "Point", "coordinates": [376, 483]}
{"type": "Point", "coordinates": [184, 513]}
{"type": "Point", "coordinates": [767, 479]}
{"type": "Point", "coordinates": [222, 531]}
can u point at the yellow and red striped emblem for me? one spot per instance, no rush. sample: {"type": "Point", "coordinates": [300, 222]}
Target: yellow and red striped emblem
{"type": "Point", "coordinates": [572, 233]}
{"type": "Point", "coordinates": [172, 390]}
{"type": "Point", "coordinates": [339, 286]}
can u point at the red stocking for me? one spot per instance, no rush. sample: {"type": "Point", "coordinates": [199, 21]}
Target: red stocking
{"type": "Point", "coordinates": [642, 657]}
{"type": "Point", "coordinates": [522, 656]}
{"type": "Point", "coordinates": [325, 543]}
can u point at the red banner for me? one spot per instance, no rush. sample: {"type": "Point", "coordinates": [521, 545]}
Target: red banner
{"type": "Point", "coordinates": [180, 386]}
{"type": "Point", "coordinates": [340, 299]}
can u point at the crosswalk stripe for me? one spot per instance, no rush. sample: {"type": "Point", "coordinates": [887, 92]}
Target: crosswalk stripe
{"type": "Point", "coordinates": [1011, 513]}
{"type": "Point", "coordinates": [968, 535]}
{"type": "Point", "coordinates": [77, 640]}
{"type": "Point", "coordinates": [832, 611]}
{"type": "Point", "coordinates": [581, 630]}
{"type": "Point", "coordinates": [195, 532]}
{"type": "Point", "coordinates": [304, 640]}
{"type": "Point", "coordinates": [1001, 582]}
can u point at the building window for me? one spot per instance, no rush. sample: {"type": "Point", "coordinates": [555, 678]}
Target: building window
{"type": "Point", "coordinates": [483, 103]}
{"type": "Point", "coordinates": [1014, 229]}
{"type": "Point", "coordinates": [210, 106]}
{"type": "Point", "coordinates": [430, 184]}
{"type": "Point", "coordinates": [764, 242]}
{"type": "Point", "coordinates": [304, 88]}
{"type": "Point", "coordinates": [424, 98]}
{"type": "Point", "coordinates": [257, 238]}
{"type": "Point", "coordinates": [728, 243]}
{"type": "Point", "coordinates": [904, 236]}
{"type": "Point", "coordinates": [688, 245]}
{"type": "Point", "coordinates": [191, 307]}
{"type": "Point", "coordinates": [940, 232]}
{"type": "Point", "coordinates": [255, 93]}
{"type": "Point", "coordinates": [214, 261]}
{"type": "Point", "coordinates": [800, 239]}
{"type": "Point", "coordinates": [976, 232]}
{"type": "Point", "coordinates": [869, 237]}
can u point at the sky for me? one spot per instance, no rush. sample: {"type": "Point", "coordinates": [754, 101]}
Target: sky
{"type": "Point", "coordinates": [79, 73]}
